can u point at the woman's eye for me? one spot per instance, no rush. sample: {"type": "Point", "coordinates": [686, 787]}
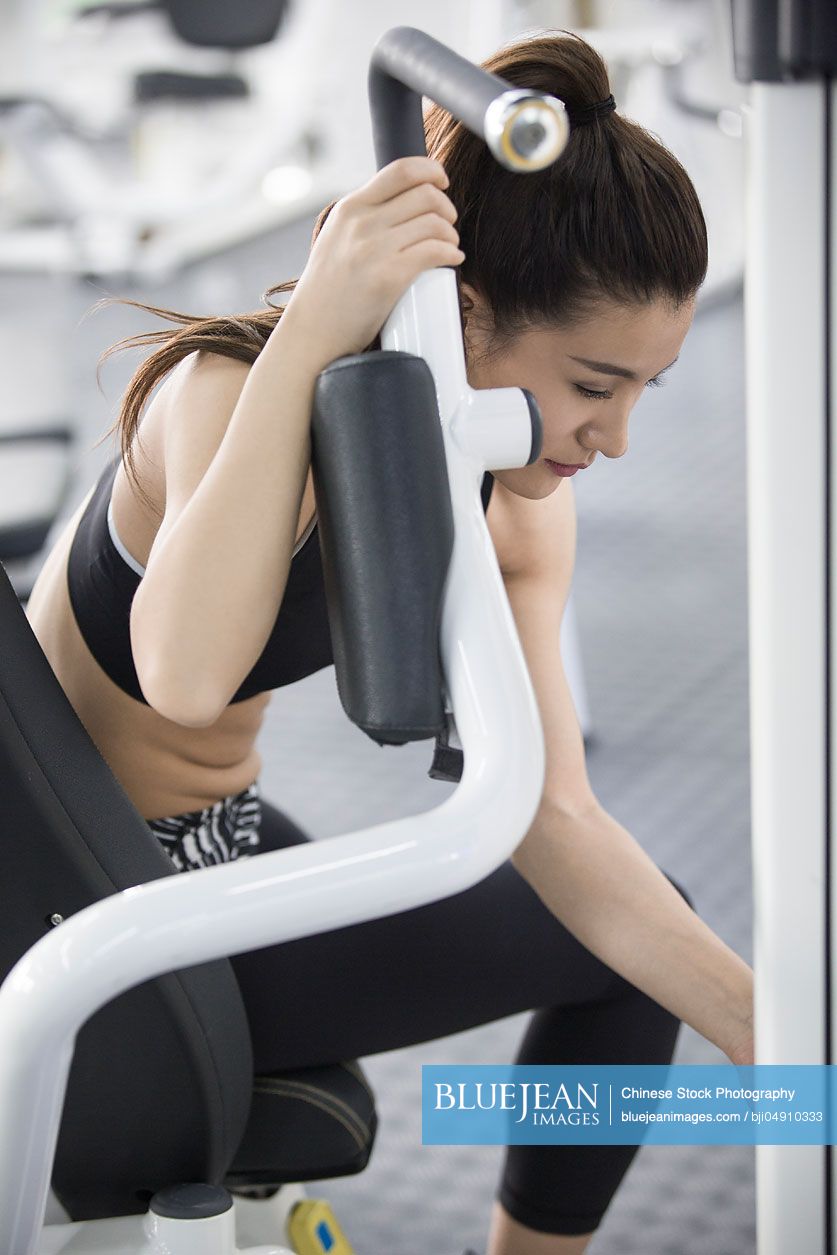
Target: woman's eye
{"type": "Point", "coordinates": [656, 382]}
{"type": "Point", "coordinates": [596, 396]}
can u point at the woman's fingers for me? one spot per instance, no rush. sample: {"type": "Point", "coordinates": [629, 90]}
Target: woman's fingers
{"type": "Point", "coordinates": [426, 198]}
{"type": "Point", "coordinates": [426, 227]}
{"type": "Point", "coordinates": [399, 176]}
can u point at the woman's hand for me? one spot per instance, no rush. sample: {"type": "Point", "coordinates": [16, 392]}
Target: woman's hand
{"type": "Point", "coordinates": [742, 1050]}
{"type": "Point", "coordinates": [373, 245]}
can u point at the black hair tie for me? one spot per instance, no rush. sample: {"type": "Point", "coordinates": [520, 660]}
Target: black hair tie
{"type": "Point", "coordinates": [589, 113]}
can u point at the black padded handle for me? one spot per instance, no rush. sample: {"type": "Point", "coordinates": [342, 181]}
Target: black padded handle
{"type": "Point", "coordinates": [407, 64]}
{"type": "Point", "coordinates": [526, 130]}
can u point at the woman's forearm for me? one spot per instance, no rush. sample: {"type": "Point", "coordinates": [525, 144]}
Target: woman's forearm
{"type": "Point", "coordinates": [599, 882]}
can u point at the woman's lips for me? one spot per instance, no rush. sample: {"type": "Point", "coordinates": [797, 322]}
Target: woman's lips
{"type": "Point", "coordinates": [559, 468]}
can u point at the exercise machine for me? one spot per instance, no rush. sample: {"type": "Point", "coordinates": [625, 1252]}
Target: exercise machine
{"type": "Point", "coordinates": [127, 1093]}
{"type": "Point", "coordinates": [111, 197]}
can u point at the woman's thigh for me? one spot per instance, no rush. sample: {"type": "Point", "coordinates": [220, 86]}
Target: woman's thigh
{"type": "Point", "coordinates": [490, 951]}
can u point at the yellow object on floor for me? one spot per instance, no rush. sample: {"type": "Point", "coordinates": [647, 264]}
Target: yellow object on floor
{"type": "Point", "coordinates": [313, 1229]}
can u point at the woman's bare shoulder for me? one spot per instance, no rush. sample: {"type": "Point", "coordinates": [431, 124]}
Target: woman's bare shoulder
{"type": "Point", "coordinates": [184, 422]}
{"type": "Point", "coordinates": [201, 371]}
{"type": "Point", "coordinates": [205, 361]}
{"type": "Point", "coordinates": [195, 405]}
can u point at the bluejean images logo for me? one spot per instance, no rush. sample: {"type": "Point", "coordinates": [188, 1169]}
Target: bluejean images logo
{"type": "Point", "coordinates": [538, 1101]}
{"type": "Point", "coordinates": [669, 1104]}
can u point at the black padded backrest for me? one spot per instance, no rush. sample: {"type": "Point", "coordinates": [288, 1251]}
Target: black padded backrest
{"type": "Point", "coordinates": [226, 23]}
{"type": "Point", "coordinates": [160, 1085]}
{"type": "Point", "coordinates": [386, 538]}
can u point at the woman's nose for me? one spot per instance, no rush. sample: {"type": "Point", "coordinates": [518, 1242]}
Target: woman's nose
{"type": "Point", "coordinates": [610, 438]}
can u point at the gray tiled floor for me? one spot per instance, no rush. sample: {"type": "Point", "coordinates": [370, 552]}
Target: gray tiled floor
{"type": "Point", "coordinates": [660, 597]}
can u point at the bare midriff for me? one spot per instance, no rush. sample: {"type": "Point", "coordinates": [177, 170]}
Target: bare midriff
{"type": "Point", "coordinates": [164, 767]}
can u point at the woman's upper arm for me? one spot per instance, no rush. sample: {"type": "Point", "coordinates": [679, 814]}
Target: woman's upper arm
{"type": "Point", "coordinates": [200, 401]}
{"type": "Point", "coordinates": [535, 544]}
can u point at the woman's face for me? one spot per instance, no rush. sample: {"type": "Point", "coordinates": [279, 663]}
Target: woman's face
{"type": "Point", "coordinates": [586, 379]}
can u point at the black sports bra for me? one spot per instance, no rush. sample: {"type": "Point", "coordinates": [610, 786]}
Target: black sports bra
{"type": "Point", "coordinates": [102, 578]}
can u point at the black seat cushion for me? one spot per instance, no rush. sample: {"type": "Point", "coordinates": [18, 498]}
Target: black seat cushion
{"type": "Point", "coordinates": [306, 1125]}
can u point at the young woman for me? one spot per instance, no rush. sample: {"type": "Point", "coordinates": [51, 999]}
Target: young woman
{"type": "Point", "coordinates": [188, 585]}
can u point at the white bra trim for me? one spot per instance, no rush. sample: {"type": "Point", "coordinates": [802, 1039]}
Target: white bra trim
{"type": "Point", "coordinates": [309, 529]}
{"type": "Point", "coordinates": [140, 570]}
{"type": "Point", "coordinates": [123, 552]}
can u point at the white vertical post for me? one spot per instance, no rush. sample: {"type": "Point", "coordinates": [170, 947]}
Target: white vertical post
{"type": "Point", "coordinates": [788, 545]}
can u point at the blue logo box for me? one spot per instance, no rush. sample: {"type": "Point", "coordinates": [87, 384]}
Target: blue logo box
{"type": "Point", "coordinates": [668, 1104]}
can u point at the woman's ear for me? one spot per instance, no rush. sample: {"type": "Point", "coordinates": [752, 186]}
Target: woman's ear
{"type": "Point", "coordinates": [467, 299]}
{"type": "Point", "coordinates": [475, 325]}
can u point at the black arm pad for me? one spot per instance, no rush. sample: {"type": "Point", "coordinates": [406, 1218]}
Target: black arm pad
{"type": "Point", "coordinates": [386, 538]}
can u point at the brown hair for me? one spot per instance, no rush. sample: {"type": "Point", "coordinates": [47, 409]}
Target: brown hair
{"type": "Point", "coordinates": [615, 217]}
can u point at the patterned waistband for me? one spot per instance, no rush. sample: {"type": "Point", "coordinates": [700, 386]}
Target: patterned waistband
{"type": "Point", "coordinates": [219, 833]}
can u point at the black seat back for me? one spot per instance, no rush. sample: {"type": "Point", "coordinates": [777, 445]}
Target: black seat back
{"type": "Point", "coordinates": [226, 24]}
{"type": "Point", "coordinates": [161, 1081]}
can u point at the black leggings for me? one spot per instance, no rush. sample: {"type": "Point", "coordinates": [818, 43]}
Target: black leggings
{"type": "Point", "coordinates": [491, 951]}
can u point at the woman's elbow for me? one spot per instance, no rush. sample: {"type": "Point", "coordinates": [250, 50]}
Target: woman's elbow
{"type": "Point", "coordinates": [191, 705]}
{"type": "Point", "coordinates": [168, 677]}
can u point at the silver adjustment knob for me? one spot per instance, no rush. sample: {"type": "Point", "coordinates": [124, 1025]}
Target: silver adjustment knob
{"type": "Point", "coordinates": [526, 130]}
